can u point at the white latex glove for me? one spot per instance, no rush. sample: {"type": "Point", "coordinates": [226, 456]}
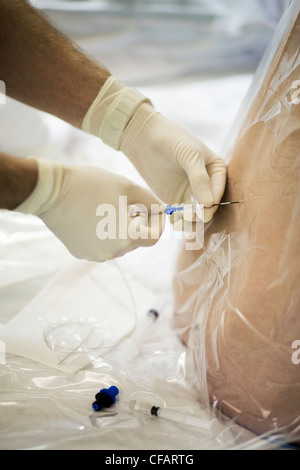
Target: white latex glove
{"type": "Point", "coordinates": [74, 202]}
{"type": "Point", "coordinates": [176, 165]}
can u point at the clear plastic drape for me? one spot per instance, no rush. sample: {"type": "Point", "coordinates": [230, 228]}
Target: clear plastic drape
{"type": "Point", "coordinates": [238, 298]}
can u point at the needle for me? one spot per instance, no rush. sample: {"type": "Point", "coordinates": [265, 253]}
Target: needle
{"type": "Point", "coordinates": [171, 209]}
{"type": "Point", "coordinates": [227, 203]}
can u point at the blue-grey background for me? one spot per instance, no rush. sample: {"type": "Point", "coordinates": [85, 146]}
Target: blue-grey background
{"type": "Point", "coordinates": [148, 41]}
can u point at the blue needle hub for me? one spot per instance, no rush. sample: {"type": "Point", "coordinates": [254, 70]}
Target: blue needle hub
{"type": "Point", "coordinates": [105, 398]}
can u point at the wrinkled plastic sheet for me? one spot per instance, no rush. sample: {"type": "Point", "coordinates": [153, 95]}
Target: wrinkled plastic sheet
{"type": "Point", "coordinates": [43, 407]}
{"type": "Point", "coordinates": [46, 405]}
{"type": "Point", "coordinates": [238, 298]}
{"type": "Point", "coordinates": [49, 407]}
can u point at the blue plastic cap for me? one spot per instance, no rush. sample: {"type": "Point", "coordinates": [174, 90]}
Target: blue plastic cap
{"type": "Point", "coordinates": [114, 390]}
{"type": "Point", "coordinates": [111, 391]}
{"type": "Point", "coordinates": [95, 407]}
{"type": "Point", "coordinates": [169, 210]}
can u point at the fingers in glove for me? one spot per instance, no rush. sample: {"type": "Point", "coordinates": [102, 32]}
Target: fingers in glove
{"type": "Point", "coordinates": [217, 174]}
{"type": "Point", "coordinates": [146, 221]}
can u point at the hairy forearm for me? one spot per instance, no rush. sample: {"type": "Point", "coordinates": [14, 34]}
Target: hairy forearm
{"type": "Point", "coordinates": [18, 178]}
{"type": "Point", "coordinates": [42, 68]}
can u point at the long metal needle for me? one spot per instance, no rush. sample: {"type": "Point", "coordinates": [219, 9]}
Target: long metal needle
{"type": "Point", "coordinates": [227, 203]}
{"type": "Point", "coordinates": [176, 209]}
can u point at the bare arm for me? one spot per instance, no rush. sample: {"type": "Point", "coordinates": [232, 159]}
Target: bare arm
{"type": "Point", "coordinates": [18, 178]}
{"type": "Point", "coordinates": [42, 68]}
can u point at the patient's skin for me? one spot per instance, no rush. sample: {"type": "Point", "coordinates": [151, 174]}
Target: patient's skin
{"type": "Point", "coordinates": [244, 294]}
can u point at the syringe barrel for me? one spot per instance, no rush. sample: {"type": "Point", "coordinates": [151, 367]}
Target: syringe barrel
{"type": "Point", "coordinates": [140, 407]}
{"type": "Point", "coordinates": [204, 425]}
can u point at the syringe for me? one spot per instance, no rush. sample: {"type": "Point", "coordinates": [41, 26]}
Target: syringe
{"type": "Point", "coordinates": [169, 210]}
{"type": "Point", "coordinates": [211, 426]}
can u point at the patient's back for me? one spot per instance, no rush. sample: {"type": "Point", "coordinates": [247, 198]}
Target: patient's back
{"type": "Point", "coordinates": [239, 297]}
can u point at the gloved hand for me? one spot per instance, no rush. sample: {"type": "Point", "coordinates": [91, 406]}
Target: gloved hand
{"type": "Point", "coordinates": [82, 207]}
{"type": "Point", "coordinates": [175, 164]}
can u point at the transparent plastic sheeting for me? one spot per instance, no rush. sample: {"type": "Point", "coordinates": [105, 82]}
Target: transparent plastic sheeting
{"type": "Point", "coordinates": [53, 366]}
{"type": "Point", "coordinates": [48, 405]}
{"type": "Point", "coordinates": [76, 313]}
{"type": "Point", "coordinates": [238, 298]}
{"type": "Point", "coordinates": [85, 327]}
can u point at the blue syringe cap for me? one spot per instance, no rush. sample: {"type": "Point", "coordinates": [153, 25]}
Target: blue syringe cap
{"type": "Point", "coordinates": [112, 392]}
{"type": "Point", "coordinates": [169, 210]}
{"type": "Point", "coordinates": [105, 398]}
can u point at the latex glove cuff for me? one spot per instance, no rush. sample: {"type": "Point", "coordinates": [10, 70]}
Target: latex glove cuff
{"type": "Point", "coordinates": [46, 192]}
{"type": "Point", "coordinates": [111, 111]}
